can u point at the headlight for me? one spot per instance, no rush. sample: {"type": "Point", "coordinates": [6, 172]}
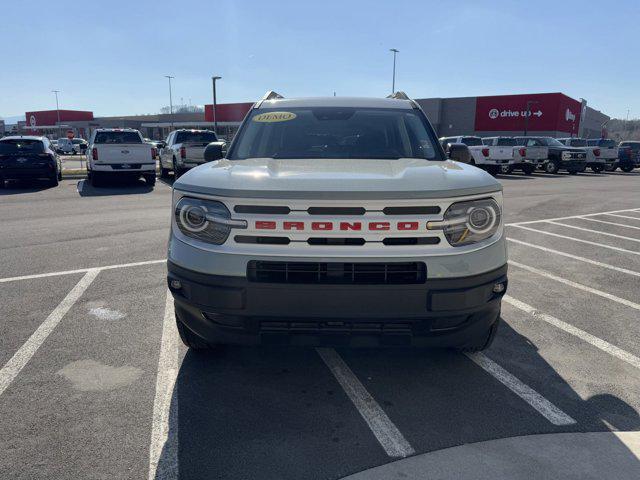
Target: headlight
{"type": "Point", "coordinates": [471, 222]}
{"type": "Point", "coordinates": [205, 220]}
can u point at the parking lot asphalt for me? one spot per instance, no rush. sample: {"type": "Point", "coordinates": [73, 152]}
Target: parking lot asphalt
{"type": "Point", "coordinates": [94, 383]}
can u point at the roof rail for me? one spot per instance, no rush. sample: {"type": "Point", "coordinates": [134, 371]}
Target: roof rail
{"type": "Point", "coordinates": [399, 96]}
{"type": "Point", "coordinates": [271, 95]}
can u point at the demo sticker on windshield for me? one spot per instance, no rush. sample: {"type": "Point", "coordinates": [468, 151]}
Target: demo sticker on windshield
{"type": "Point", "coordinates": [271, 117]}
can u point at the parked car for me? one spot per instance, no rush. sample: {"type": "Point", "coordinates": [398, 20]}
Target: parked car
{"type": "Point", "coordinates": [184, 149]}
{"type": "Point", "coordinates": [80, 144]}
{"type": "Point", "coordinates": [67, 147]}
{"type": "Point", "coordinates": [608, 151]}
{"type": "Point", "coordinates": [29, 157]}
{"type": "Point", "coordinates": [479, 152]}
{"type": "Point", "coordinates": [557, 156]}
{"type": "Point", "coordinates": [628, 156]}
{"type": "Point", "coordinates": [501, 148]}
{"type": "Point", "coordinates": [115, 152]}
{"type": "Point", "coordinates": [337, 220]}
{"type": "Point", "coordinates": [597, 160]}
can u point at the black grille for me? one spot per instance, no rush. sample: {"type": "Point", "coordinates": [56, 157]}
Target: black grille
{"type": "Point", "coordinates": [411, 241]}
{"type": "Point", "coordinates": [336, 211]}
{"type": "Point", "coordinates": [262, 240]}
{"type": "Point", "coordinates": [411, 210]}
{"type": "Point", "coordinates": [337, 273]}
{"type": "Point", "coordinates": [262, 209]}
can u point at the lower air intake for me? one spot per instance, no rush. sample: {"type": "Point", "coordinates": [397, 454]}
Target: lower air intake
{"type": "Point", "coordinates": [402, 273]}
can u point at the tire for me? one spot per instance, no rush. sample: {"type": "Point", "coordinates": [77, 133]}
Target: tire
{"type": "Point", "coordinates": [150, 179]}
{"type": "Point", "coordinates": [627, 168]}
{"type": "Point", "coordinates": [190, 339]}
{"type": "Point", "coordinates": [505, 169]}
{"type": "Point", "coordinates": [597, 169]}
{"type": "Point", "coordinates": [59, 174]}
{"type": "Point", "coordinates": [177, 171]}
{"type": "Point", "coordinates": [528, 169]}
{"type": "Point", "coordinates": [551, 167]}
{"type": "Point", "coordinates": [53, 181]}
{"type": "Point", "coordinates": [484, 342]}
{"type": "Point", "coordinates": [95, 180]}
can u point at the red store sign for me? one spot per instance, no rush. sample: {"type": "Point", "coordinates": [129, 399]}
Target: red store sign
{"type": "Point", "coordinates": [538, 112]}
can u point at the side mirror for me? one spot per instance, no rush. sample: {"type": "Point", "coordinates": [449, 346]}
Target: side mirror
{"type": "Point", "coordinates": [213, 152]}
{"type": "Point", "coordinates": [459, 152]}
{"type": "Point", "coordinates": [161, 144]}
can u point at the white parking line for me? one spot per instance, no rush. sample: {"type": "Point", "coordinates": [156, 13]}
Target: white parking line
{"type": "Point", "coordinates": [547, 409]}
{"type": "Point", "coordinates": [382, 427]}
{"type": "Point", "coordinates": [577, 285]}
{"type": "Point", "coordinates": [622, 237]}
{"type": "Point", "coordinates": [601, 245]}
{"type": "Point", "coordinates": [574, 216]}
{"type": "Point", "coordinates": [163, 451]}
{"type": "Point", "coordinates": [623, 216]}
{"type": "Point", "coordinates": [576, 257]}
{"type": "Point", "coordinates": [80, 270]}
{"type": "Point", "coordinates": [609, 223]}
{"type": "Point", "coordinates": [16, 363]}
{"type": "Point", "coordinates": [581, 334]}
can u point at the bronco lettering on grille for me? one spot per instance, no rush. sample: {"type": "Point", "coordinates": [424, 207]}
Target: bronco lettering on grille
{"type": "Point", "coordinates": [342, 226]}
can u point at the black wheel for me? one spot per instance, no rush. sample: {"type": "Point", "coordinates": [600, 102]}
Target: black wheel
{"type": "Point", "coordinates": [150, 179]}
{"type": "Point", "coordinates": [528, 169]}
{"type": "Point", "coordinates": [627, 168]}
{"type": "Point", "coordinates": [597, 168]}
{"type": "Point", "coordinates": [177, 171]}
{"type": "Point", "coordinates": [95, 180]}
{"type": "Point", "coordinates": [60, 174]}
{"type": "Point", "coordinates": [484, 342]}
{"type": "Point", "coordinates": [505, 169]}
{"type": "Point", "coordinates": [53, 181]}
{"type": "Point", "coordinates": [551, 167]}
{"type": "Point", "coordinates": [190, 339]}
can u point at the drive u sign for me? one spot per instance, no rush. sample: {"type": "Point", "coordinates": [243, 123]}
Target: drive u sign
{"type": "Point", "coordinates": [495, 113]}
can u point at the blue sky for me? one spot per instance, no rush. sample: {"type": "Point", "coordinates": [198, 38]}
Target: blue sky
{"type": "Point", "coordinates": [110, 57]}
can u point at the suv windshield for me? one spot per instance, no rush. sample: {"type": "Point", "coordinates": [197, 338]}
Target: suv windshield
{"type": "Point", "coordinates": [577, 142]}
{"type": "Point", "coordinates": [117, 137]}
{"type": "Point", "coordinates": [335, 132]}
{"type": "Point", "coordinates": [20, 146]}
{"type": "Point", "coordinates": [196, 137]}
{"type": "Point", "coordinates": [507, 142]}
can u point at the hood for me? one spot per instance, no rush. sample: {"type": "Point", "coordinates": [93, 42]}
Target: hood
{"type": "Point", "coordinates": [337, 179]}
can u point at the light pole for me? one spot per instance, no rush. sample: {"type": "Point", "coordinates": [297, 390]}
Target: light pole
{"type": "Point", "coordinates": [393, 84]}
{"type": "Point", "coordinates": [170, 99]}
{"type": "Point", "coordinates": [215, 104]}
{"type": "Point", "coordinates": [528, 114]}
{"type": "Point", "coordinates": [57, 110]}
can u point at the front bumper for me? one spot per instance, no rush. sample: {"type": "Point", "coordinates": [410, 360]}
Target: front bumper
{"type": "Point", "coordinates": [440, 312]}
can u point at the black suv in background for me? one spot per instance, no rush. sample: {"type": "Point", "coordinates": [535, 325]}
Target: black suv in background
{"type": "Point", "coordinates": [558, 155]}
{"type": "Point", "coordinates": [628, 156]}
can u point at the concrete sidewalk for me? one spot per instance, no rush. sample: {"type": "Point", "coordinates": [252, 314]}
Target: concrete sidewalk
{"type": "Point", "coordinates": [599, 455]}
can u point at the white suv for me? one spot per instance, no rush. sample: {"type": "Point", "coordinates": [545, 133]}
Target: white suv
{"type": "Point", "coordinates": [337, 220]}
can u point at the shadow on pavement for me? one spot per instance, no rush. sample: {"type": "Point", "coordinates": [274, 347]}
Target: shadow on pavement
{"type": "Point", "coordinates": [113, 187]}
{"type": "Point", "coordinates": [16, 187]}
{"type": "Point", "coordinates": [278, 413]}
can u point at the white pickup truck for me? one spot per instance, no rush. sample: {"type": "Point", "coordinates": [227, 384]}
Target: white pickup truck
{"type": "Point", "coordinates": [511, 155]}
{"type": "Point", "coordinates": [120, 152]}
{"type": "Point", "coordinates": [184, 149]}
{"type": "Point", "coordinates": [598, 158]}
{"type": "Point", "coordinates": [337, 221]}
{"type": "Point", "coordinates": [488, 157]}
